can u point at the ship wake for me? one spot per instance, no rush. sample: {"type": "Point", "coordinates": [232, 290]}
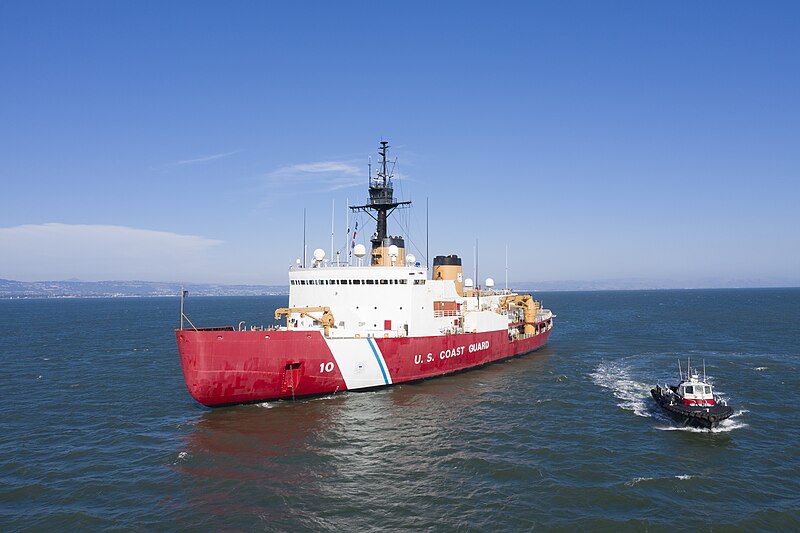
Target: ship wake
{"type": "Point", "coordinates": [632, 394]}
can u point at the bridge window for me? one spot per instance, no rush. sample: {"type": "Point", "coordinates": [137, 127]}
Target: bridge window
{"type": "Point", "coordinates": [384, 281]}
{"type": "Point", "coordinates": [369, 281]}
{"type": "Point", "coordinates": [356, 282]}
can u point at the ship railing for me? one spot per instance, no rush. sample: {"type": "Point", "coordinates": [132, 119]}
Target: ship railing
{"type": "Point", "coordinates": [494, 292]}
{"type": "Point", "coordinates": [324, 264]}
{"type": "Point", "coordinates": [446, 312]}
{"type": "Point", "coordinates": [383, 200]}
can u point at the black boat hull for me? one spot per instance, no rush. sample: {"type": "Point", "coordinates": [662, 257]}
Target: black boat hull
{"type": "Point", "coordinates": [693, 416]}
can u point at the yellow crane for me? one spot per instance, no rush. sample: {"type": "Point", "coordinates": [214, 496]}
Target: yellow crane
{"type": "Point", "coordinates": [326, 319]}
{"type": "Point", "coordinates": [529, 308]}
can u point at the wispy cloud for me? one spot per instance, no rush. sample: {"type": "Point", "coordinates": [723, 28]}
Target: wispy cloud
{"type": "Point", "coordinates": [342, 167]}
{"type": "Point", "coordinates": [204, 159]}
{"type": "Point", "coordinates": [99, 252]}
{"type": "Point", "coordinates": [321, 176]}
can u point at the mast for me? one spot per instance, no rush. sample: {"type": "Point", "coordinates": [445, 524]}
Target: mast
{"type": "Point", "coordinates": [381, 199]}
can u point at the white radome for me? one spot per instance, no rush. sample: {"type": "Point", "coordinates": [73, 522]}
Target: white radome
{"type": "Point", "coordinates": [411, 259]}
{"type": "Point", "coordinates": [359, 250]}
{"type": "Point", "coordinates": [319, 254]}
{"type": "Point", "coordinates": [468, 283]}
{"type": "Point", "coordinates": [489, 283]}
{"type": "Point", "coordinates": [394, 251]}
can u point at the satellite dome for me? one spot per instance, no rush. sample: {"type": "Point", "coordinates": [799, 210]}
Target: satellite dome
{"type": "Point", "coordinates": [468, 283]}
{"type": "Point", "coordinates": [319, 254]}
{"type": "Point", "coordinates": [394, 251]}
{"type": "Point", "coordinates": [359, 250]}
{"type": "Point", "coordinates": [489, 283]}
{"type": "Point", "coordinates": [411, 259]}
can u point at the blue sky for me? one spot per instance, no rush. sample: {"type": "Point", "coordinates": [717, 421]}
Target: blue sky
{"type": "Point", "coordinates": [598, 140]}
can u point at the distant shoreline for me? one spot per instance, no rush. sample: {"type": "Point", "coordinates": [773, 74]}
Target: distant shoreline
{"type": "Point", "coordinates": [70, 290]}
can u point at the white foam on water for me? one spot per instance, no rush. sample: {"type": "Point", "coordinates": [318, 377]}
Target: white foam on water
{"type": "Point", "coordinates": [266, 405]}
{"type": "Point", "coordinates": [726, 426]}
{"type": "Point", "coordinates": [326, 397]}
{"type": "Point", "coordinates": [636, 480]}
{"type": "Point", "coordinates": [760, 368]}
{"type": "Point", "coordinates": [182, 458]}
{"type": "Point", "coordinates": [631, 393]}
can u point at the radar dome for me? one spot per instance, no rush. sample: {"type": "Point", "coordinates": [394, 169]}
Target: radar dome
{"type": "Point", "coordinates": [489, 283]}
{"type": "Point", "coordinates": [411, 259]}
{"type": "Point", "coordinates": [359, 250]}
{"type": "Point", "coordinates": [319, 254]}
{"type": "Point", "coordinates": [394, 251]}
{"type": "Point", "coordinates": [468, 283]}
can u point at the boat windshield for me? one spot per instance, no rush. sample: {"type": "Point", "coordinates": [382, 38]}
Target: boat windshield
{"type": "Point", "coordinates": [688, 390]}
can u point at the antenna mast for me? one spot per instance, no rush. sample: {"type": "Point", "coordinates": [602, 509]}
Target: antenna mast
{"type": "Point", "coordinates": [305, 248]}
{"type": "Point", "coordinates": [381, 197]}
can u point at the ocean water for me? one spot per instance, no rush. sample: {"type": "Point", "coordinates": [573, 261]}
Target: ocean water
{"type": "Point", "coordinates": [98, 432]}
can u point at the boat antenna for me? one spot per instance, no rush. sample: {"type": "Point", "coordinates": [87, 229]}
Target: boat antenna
{"type": "Point", "coordinates": [305, 248]}
{"type": "Point", "coordinates": [183, 295]}
{"type": "Point", "coordinates": [506, 266]}
{"type": "Point", "coordinates": [346, 229]}
{"type": "Point", "coordinates": [704, 370]}
{"type": "Point", "coordinates": [477, 285]}
{"type": "Point", "coordinates": [427, 234]}
{"type": "Point", "coordinates": [680, 372]}
{"type": "Point", "coordinates": [333, 212]}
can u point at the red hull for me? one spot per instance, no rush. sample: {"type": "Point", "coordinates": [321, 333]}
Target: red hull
{"type": "Point", "coordinates": [228, 367]}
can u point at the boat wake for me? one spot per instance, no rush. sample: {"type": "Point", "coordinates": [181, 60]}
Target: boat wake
{"type": "Point", "coordinates": [632, 394]}
{"type": "Point", "coordinates": [725, 426]}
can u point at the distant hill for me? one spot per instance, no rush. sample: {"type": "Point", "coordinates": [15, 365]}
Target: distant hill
{"type": "Point", "coordinates": [110, 289]}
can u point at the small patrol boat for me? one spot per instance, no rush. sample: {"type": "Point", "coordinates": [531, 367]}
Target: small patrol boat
{"type": "Point", "coordinates": [692, 402]}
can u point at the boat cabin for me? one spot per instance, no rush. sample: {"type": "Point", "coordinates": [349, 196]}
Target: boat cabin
{"type": "Point", "coordinates": [695, 392]}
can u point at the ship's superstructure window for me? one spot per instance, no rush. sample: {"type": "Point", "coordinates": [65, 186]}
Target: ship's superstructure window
{"type": "Point", "coordinates": [419, 282]}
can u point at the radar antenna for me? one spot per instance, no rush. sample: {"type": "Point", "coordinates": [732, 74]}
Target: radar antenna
{"type": "Point", "coordinates": [381, 197]}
